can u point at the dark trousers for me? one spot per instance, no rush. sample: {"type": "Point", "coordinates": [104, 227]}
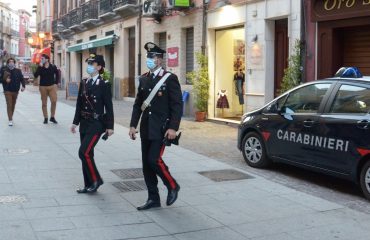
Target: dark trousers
{"type": "Point", "coordinates": [86, 154]}
{"type": "Point", "coordinates": [153, 165]}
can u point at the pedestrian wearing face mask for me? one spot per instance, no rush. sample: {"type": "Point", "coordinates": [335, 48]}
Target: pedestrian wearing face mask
{"type": "Point", "coordinates": [159, 105]}
{"type": "Point", "coordinates": [94, 114]}
{"type": "Point", "coordinates": [49, 80]}
{"type": "Point", "coordinates": [12, 80]}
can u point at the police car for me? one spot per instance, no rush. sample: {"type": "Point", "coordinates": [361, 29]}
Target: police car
{"type": "Point", "coordinates": [322, 125]}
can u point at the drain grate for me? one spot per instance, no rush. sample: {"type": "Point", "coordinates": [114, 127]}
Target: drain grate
{"type": "Point", "coordinates": [17, 151]}
{"type": "Point", "coordinates": [130, 186]}
{"type": "Point", "coordinates": [12, 199]}
{"type": "Point", "coordinates": [129, 173]}
{"type": "Point", "coordinates": [225, 175]}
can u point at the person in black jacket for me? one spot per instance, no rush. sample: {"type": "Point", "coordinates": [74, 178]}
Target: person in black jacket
{"type": "Point", "coordinates": [49, 79]}
{"type": "Point", "coordinates": [12, 79]}
{"type": "Point", "coordinates": [94, 114]}
{"type": "Point", "coordinates": [160, 120]}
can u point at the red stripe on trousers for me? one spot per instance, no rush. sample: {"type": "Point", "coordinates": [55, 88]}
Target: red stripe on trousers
{"type": "Point", "coordinates": [88, 159]}
{"type": "Point", "coordinates": [164, 171]}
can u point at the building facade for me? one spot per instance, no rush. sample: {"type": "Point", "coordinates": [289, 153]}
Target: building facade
{"type": "Point", "coordinates": [338, 34]}
{"type": "Point", "coordinates": [24, 52]}
{"type": "Point", "coordinates": [255, 37]}
{"type": "Point", "coordinates": [9, 33]}
{"type": "Point", "coordinates": [105, 27]}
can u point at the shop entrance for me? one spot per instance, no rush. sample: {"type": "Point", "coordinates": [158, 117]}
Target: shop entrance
{"type": "Point", "coordinates": [230, 73]}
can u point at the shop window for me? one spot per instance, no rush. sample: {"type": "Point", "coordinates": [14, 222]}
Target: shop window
{"type": "Point", "coordinates": [109, 33]}
{"type": "Point", "coordinates": [92, 37]}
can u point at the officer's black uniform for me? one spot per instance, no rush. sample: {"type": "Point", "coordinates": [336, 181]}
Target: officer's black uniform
{"type": "Point", "coordinates": [94, 99]}
{"type": "Point", "coordinates": [163, 113]}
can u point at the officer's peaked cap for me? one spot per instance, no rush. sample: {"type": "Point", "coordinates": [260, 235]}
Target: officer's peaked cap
{"type": "Point", "coordinates": [153, 48]}
{"type": "Point", "coordinates": [99, 59]}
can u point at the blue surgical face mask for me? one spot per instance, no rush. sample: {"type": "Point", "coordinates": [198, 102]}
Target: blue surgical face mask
{"type": "Point", "coordinates": [90, 69]}
{"type": "Point", "coordinates": [11, 66]}
{"type": "Point", "coordinates": [150, 63]}
{"type": "Point", "coordinates": [43, 60]}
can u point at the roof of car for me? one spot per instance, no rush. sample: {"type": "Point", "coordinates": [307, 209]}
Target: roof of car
{"type": "Point", "coordinates": [364, 78]}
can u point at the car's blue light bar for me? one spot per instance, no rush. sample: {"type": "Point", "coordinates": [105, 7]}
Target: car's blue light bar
{"type": "Point", "coordinates": [348, 72]}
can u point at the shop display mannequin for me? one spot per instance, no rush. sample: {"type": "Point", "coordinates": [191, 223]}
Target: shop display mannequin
{"type": "Point", "coordinates": [222, 101]}
{"type": "Point", "coordinates": [239, 78]}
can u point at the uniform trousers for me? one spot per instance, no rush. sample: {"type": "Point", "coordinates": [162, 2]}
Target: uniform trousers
{"type": "Point", "coordinates": [153, 166]}
{"type": "Point", "coordinates": [89, 137]}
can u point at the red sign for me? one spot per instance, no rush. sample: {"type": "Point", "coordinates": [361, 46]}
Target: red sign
{"type": "Point", "coordinates": [173, 57]}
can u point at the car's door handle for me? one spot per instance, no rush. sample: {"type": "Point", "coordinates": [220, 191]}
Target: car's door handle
{"type": "Point", "coordinates": [308, 123]}
{"type": "Point", "coordinates": [363, 124]}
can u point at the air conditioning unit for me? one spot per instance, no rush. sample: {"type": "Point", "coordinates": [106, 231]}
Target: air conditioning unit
{"type": "Point", "coordinates": [152, 8]}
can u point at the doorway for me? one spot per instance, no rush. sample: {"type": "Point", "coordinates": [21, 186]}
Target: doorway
{"type": "Point", "coordinates": [131, 61]}
{"type": "Point", "coordinates": [281, 52]}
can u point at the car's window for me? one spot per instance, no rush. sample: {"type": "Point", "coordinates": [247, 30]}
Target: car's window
{"type": "Point", "coordinates": [306, 99]}
{"type": "Point", "coordinates": [351, 100]}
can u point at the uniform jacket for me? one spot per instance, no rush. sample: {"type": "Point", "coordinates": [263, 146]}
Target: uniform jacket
{"type": "Point", "coordinates": [16, 77]}
{"type": "Point", "coordinates": [165, 110]}
{"type": "Point", "coordinates": [95, 98]}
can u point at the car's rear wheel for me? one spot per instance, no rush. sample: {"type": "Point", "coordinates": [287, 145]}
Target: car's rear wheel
{"type": "Point", "coordinates": [365, 180]}
{"type": "Point", "coordinates": [254, 151]}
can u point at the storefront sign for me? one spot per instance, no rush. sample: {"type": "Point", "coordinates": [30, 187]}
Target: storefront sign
{"type": "Point", "coordinates": [173, 57]}
{"type": "Point", "coordinates": [324, 10]}
{"type": "Point", "coordinates": [72, 90]}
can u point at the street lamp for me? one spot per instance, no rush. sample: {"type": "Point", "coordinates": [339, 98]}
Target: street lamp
{"type": "Point", "coordinates": [41, 35]}
{"type": "Point", "coordinates": [30, 40]}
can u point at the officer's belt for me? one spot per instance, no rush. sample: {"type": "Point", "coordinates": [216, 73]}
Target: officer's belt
{"type": "Point", "coordinates": [90, 116]}
{"type": "Point", "coordinates": [147, 101]}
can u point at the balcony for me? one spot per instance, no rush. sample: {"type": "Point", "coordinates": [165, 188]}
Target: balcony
{"type": "Point", "coordinates": [75, 18]}
{"type": "Point", "coordinates": [6, 30]}
{"type": "Point", "coordinates": [14, 33]}
{"type": "Point", "coordinates": [126, 8]}
{"type": "Point", "coordinates": [90, 12]}
{"type": "Point", "coordinates": [65, 23]}
{"type": "Point", "coordinates": [106, 9]}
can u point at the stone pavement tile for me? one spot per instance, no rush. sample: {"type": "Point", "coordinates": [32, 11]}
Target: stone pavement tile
{"type": "Point", "coordinates": [278, 226]}
{"type": "Point", "coordinates": [183, 219]}
{"type": "Point", "coordinates": [21, 230]}
{"type": "Point", "coordinates": [213, 234]}
{"type": "Point", "coordinates": [62, 211]}
{"type": "Point", "coordinates": [7, 189]}
{"type": "Point", "coordinates": [52, 224]}
{"type": "Point", "coordinates": [107, 220]}
{"type": "Point", "coordinates": [158, 238]}
{"type": "Point", "coordinates": [9, 212]}
{"type": "Point", "coordinates": [142, 230]}
{"type": "Point", "coordinates": [39, 203]}
{"type": "Point", "coordinates": [4, 177]}
{"type": "Point", "coordinates": [280, 236]}
{"type": "Point", "coordinates": [271, 187]}
{"type": "Point", "coordinates": [312, 202]}
{"type": "Point", "coordinates": [344, 230]}
{"type": "Point", "coordinates": [123, 206]}
{"type": "Point", "coordinates": [196, 199]}
{"type": "Point", "coordinates": [93, 199]}
{"type": "Point", "coordinates": [227, 214]}
{"type": "Point", "coordinates": [78, 234]}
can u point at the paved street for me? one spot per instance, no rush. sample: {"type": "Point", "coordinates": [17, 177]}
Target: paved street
{"type": "Point", "coordinates": [218, 141]}
{"type": "Point", "coordinates": [40, 171]}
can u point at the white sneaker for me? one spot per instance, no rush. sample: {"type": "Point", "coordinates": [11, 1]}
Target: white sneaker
{"type": "Point", "coordinates": [10, 123]}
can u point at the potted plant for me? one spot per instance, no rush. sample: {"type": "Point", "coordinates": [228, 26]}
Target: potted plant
{"type": "Point", "coordinates": [293, 73]}
{"type": "Point", "coordinates": [200, 80]}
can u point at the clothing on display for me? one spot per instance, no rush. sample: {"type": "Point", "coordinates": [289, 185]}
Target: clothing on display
{"type": "Point", "coordinates": [239, 79]}
{"type": "Point", "coordinates": [222, 101]}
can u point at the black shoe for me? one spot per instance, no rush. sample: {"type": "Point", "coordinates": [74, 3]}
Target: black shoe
{"type": "Point", "coordinates": [94, 187]}
{"type": "Point", "coordinates": [52, 119]}
{"type": "Point", "coordinates": [82, 190]}
{"type": "Point", "coordinates": [46, 121]}
{"type": "Point", "coordinates": [149, 204]}
{"type": "Point", "coordinates": [172, 195]}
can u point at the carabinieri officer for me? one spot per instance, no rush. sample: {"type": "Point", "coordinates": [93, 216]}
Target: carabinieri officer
{"type": "Point", "coordinates": [94, 113]}
{"type": "Point", "coordinates": [160, 118]}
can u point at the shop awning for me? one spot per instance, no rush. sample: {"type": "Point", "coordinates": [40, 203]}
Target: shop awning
{"type": "Point", "coordinates": [92, 44]}
{"type": "Point", "coordinates": [36, 56]}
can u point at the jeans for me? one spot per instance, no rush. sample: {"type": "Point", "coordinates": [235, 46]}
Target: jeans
{"type": "Point", "coordinates": [239, 89]}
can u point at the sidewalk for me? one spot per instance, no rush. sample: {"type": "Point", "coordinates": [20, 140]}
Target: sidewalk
{"type": "Point", "coordinates": [40, 171]}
